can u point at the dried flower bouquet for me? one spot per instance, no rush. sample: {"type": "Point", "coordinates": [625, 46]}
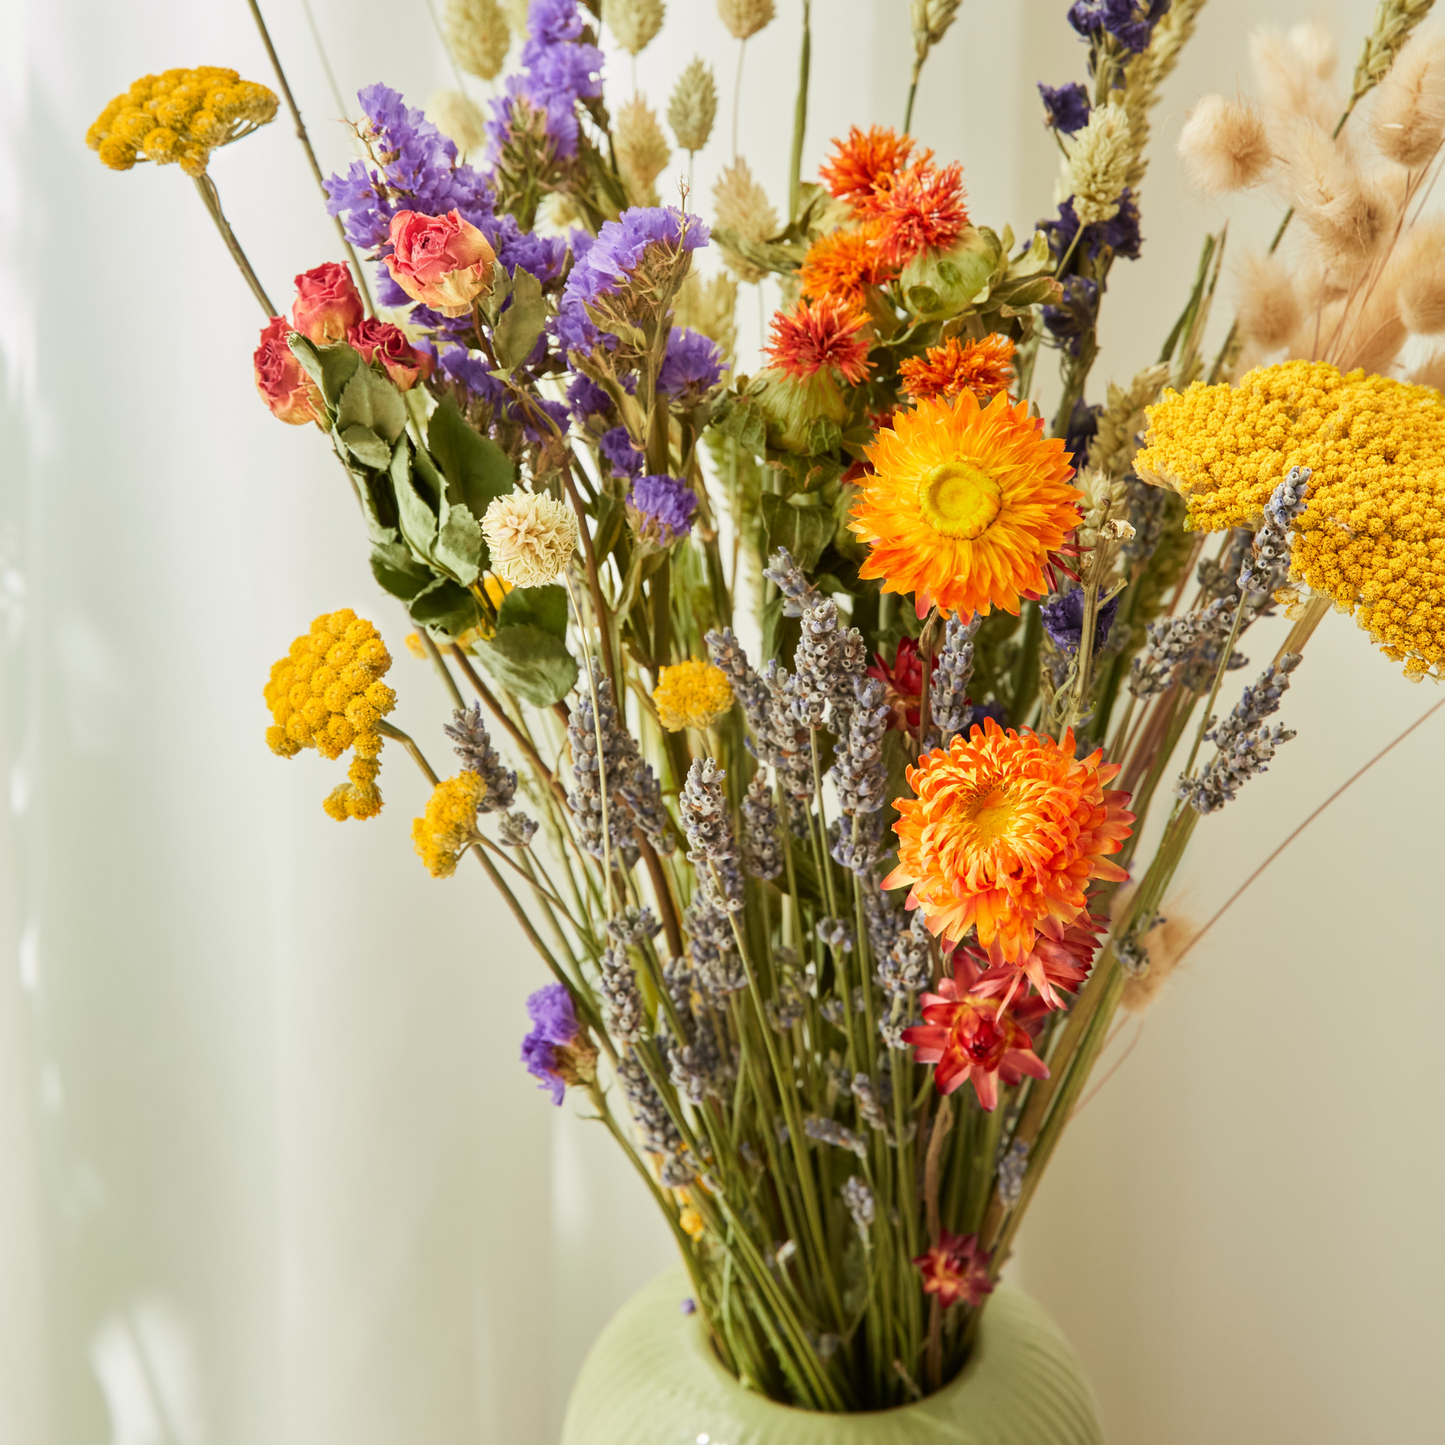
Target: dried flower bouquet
{"type": "Point", "coordinates": [833, 697]}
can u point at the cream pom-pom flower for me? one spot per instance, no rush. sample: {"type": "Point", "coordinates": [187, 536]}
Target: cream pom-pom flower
{"type": "Point", "coordinates": [531, 536]}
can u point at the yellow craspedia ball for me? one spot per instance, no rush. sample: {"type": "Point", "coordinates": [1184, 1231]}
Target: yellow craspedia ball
{"type": "Point", "coordinates": [1372, 536]}
{"type": "Point", "coordinates": [327, 694]}
{"type": "Point", "coordinates": [180, 116]}
{"type": "Point", "coordinates": [693, 694]}
{"type": "Point", "coordinates": [449, 826]}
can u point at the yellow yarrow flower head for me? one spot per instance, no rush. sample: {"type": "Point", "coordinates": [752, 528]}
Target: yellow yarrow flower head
{"type": "Point", "coordinates": [1372, 535]}
{"type": "Point", "coordinates": [693, 694]}
{"type": "Point", "coordinates": [179, 116]}
{"type": "Point", "coordinates": [327, 694]}
{"type": "Point", "coordinates": [449, 826]}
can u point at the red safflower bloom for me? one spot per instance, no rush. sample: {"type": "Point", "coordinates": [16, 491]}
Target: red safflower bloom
{"type": "Point", "coordinates": [819, 334]}
{"type": "Point", "coordinates": [1003, 835]}
{"type": "Point", "coordinates": [866, 159]}
{"type": "Point", "coordinates": [1050, 965]}
{"type": "Point", "coordinates": [902, 684]}
{"type": "Point", "coordinates": [983, 367]}
{"type": "Point", "coordinates": [955, 1269]}
{"type": "Point", "coordinates": [973, 1039]}
{"type": "Point", "coordinates": [842, 263]}
{"type": "Point", "coordinates": [921, 210]}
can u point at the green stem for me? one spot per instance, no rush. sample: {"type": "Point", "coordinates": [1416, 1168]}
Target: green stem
{"type": "Point", "coordinates": [800, 115]}
{"type": "Point", "coordinates": [211, 199]}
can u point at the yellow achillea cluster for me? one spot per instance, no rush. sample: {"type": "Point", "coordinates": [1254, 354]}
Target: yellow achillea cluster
{"type": "Point", "coordinates": [449, 826]}
{"type": "Point", "coordinates": [179, 115]}
{"type": "Point", "coordinates": [1372, 536]}
{"type": "Point", "coordinates": [693, 694]}
{"type": "Point", "coordinates": [327, 694]}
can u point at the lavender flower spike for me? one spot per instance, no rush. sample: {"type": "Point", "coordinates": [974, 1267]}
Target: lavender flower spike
{"type": "Point", "coordinates": [952, 673]}
{"type": "Point", "coordinates": [787, 577]}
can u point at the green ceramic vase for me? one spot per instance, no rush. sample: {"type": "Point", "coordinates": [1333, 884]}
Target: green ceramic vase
{"type": "Point", "coordinates": [652, 1379]}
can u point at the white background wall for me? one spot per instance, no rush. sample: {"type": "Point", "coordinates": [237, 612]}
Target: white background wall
{"type": "Point", "coordinates": [269, 1169]}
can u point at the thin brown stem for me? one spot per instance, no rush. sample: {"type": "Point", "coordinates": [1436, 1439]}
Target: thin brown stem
{"type": "Point", "coordinates": [1343, 788]}
{"type": "Point", "coordinates": [310, 154]}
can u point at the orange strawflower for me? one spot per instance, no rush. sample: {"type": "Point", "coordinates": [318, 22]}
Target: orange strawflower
{"type": "Point", "coordinates": [865, 159]}
{"type": "Point", "coordinates": [1004, 834]}
{"type": "Point", "coordinates": [818, 334]}
{"type": "Point", "coordinates": [841, 263]}
{"type": "Point", "coordinates": [964, 505]}
{"type": "Point", "coordinates": [983, 367]}
{"type": "Point", "coordinates": [920, 210]}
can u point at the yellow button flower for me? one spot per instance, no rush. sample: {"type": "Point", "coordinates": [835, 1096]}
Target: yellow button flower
{"type": "Point", "coordinates": [179, 116]}
{"type": "Point", "coordinates": [449, 826]}
{"type": "Point", "coordinates": [693, 694]}
{"type": "Point", "coordinates": [327, 694]}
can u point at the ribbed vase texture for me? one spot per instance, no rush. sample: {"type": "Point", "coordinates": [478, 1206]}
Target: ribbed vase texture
{"type": "Point", "coordinates": [652, 1379]}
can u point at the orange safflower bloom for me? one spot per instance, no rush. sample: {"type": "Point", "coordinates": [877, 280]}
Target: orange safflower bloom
{"type": "Point", "coordinates": [818, 334]}
{"type": "Point", "coordinates": [865, 159]}
{"type": "Point", "coordinates": [1004, 834]}
{"type": "Point", "coordinates": [841, 263]}
{"type": "Point", "coordinates": [983, 367]}
{"type": "Point", "coordinates": [920, 210]}
{"type": "Point", "coordinates": [965, 505]}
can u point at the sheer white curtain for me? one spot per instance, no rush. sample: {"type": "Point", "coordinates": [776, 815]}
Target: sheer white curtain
{"type": "Point", "coordinates": [270, 1169]}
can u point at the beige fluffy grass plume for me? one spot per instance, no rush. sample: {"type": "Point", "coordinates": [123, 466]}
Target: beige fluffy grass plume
{"type": "Point", "coordinates": [740, 204]}
{"type": "Point", "coordinates": [745, 17]}
{"type": "Point", "coordinates": [1420, 264]}
{"type": "Point", "coordinates": [634, 23]}
{"type": "Point", "coordinates": [1374, 333]}
{"type": "Point", "coordinates": [458, 118]}
{"type": "Point", "coordinates": [1289, 83]}
{"type": "Point", "coordinates": [1408, 118]}
{"type": "Point", "coordinates": [1164, 943]}
{"type": "Point", "coordinates": [1225, 146]}
{"type": "Point", "coordinates": [479, 36]}
{"type": "Point", "coordinates": [1269, 307]}
{"type": "Point", "coordinates": [1431, 371]}
{"type": "Point", "coordinates": [1348, 213]}
{"type": "Point", "coordinates": [1315, 46]}
{"type": "Point", "coordinates": [642, 149]}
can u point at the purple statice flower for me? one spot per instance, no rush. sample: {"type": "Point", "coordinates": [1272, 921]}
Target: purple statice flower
{"type": "Point", "coordinates": [1066, 107]}
{"type": "Point", "coordinates": [1130, 22]}
{"type": "Point", "coordinates": [542, 256]}
{"type": "Point", "coordinates": [580, 242]}
{"type": "Point", "coordinates": [471, 372]}
{"type": "Point", "coordinates": [615, 254]}
{"type": "Point", "coordinates": [660, 509]}
{"type": "Point", "coordinates": [1063, 619]}
{"type": "Point", "coordinates": [419, 173]}
{"type": "Point", "coordinates": [692, 366]}
{"type": "Point", "coordinates": [1120, 232]}
{"type": "Point", "coordinates": [620, 453]}
{"type": "Point", "coordinates": [554, 1022]}
{"type": "Point", "coordinates": [586, 398]}
{"type": "Point", "coordinates": [560, 70]}
{"type": "Point", "coordinates": [1074, 315]}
